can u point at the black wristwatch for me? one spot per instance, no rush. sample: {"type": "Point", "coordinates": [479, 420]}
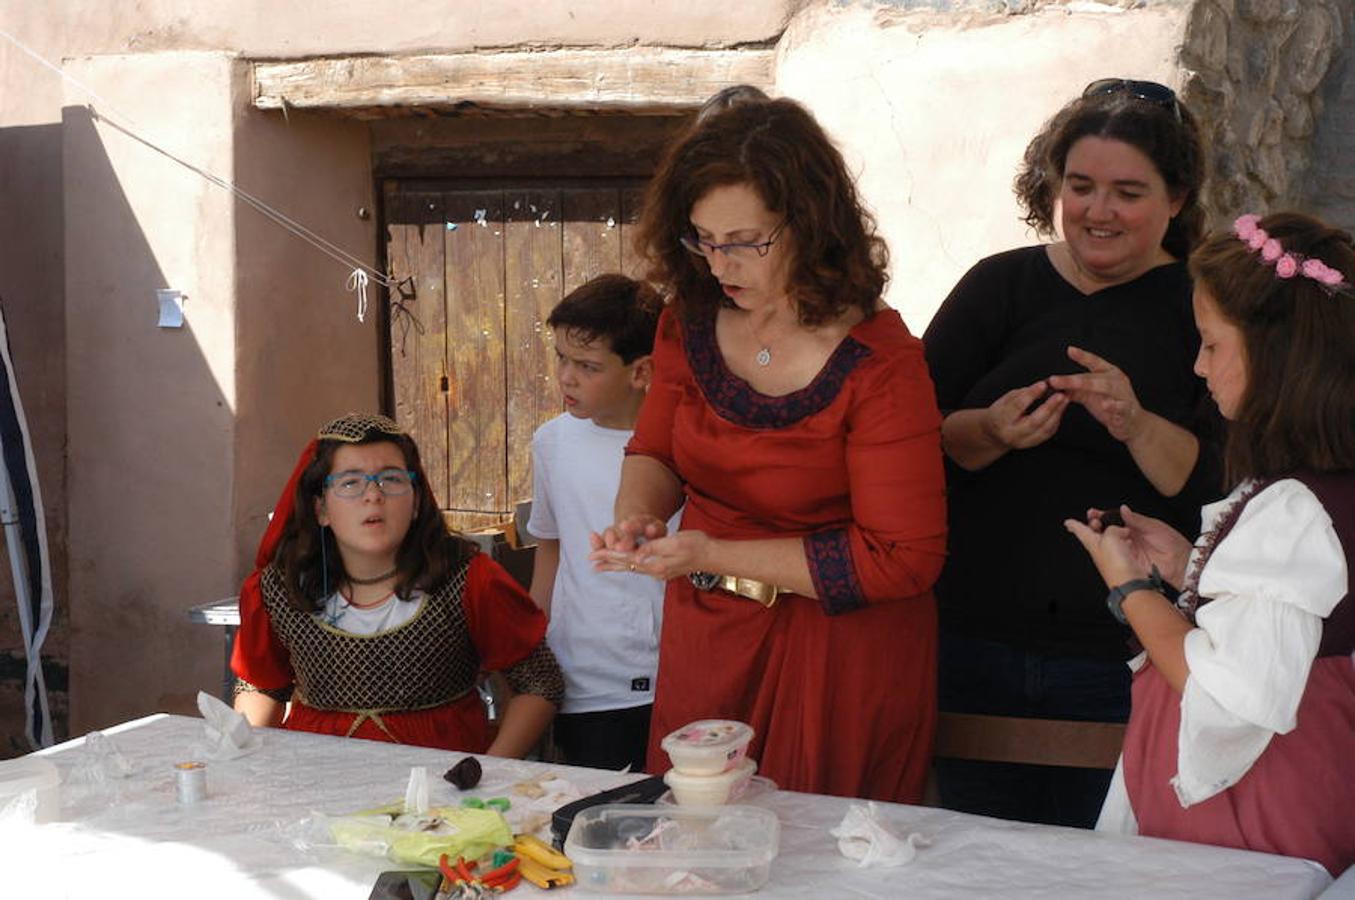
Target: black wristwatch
{"type": "Point", "coordinates": [1115, 599]}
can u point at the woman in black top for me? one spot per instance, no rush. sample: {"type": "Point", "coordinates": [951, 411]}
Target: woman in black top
{"type": "Point", "coordinates": [1064, 373]}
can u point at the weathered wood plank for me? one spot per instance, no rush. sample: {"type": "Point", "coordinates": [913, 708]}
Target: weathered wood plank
{"type": "Point", "coordinates": [474, 240]}
{"type": "Point", "coordinates": [632, 203]}
{"type": "Point", "coordinates": [418, 354]}
{"type": "Point", "coordinates": [511, 147]}
{"type": "Point", "coordinates": [592, 234]}
{"type": "Point", "coordinates": [634, 79]}
{"type": "Point", "coordinates": [533, 263]}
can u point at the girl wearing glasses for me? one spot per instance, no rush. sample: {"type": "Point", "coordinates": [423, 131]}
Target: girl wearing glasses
{"type": "Point", "coordinates": [373, 621]}
{"type": "Point", "coordinates": [1064, 370]}
{"type": "Point", "coordinates": [793, 414]}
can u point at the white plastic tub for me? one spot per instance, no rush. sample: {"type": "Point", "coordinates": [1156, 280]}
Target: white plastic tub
{"type": "Point", "coordinates": [709, 790]}
{"type": "Point", "coordinates": [636, 849]}
{"type": "Point", "coordinates": [708, 746]}
{"type": "Point", "coordinates": [29, 790]}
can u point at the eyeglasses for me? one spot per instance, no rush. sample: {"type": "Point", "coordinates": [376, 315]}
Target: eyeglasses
{"type": "Point", "coordinates": [735, 250]}
{"type": "Point", "coordinates": [351, 485]}
{"type": "Point", "coordinates": [1148, 91]}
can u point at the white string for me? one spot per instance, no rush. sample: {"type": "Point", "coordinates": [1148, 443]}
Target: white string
{"type": "Point", "coordinates": [357, 281]}
{"type": "Point", "coordinates": [317, 241]}
{"type": "Point", "coordinates": [30, 52]}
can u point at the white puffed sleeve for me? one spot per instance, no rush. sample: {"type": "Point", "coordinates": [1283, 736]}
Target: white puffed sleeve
{"type": "Point", "coordinates": [1273, 579]}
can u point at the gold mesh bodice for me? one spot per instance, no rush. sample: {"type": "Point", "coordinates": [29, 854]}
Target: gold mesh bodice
{"type": "Point", "coordinates": [428, 661]}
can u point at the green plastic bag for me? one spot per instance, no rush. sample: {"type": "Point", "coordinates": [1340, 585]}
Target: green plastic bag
{"type": "Point", "coordinates": [455, 831]}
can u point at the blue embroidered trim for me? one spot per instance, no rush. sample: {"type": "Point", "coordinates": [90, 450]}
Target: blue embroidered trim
{"type": "Point", "coordinates": [830, 565]}
{"type": "Point", "coordinates": [735, 399]}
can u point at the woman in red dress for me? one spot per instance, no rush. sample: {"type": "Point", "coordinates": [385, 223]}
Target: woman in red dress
{"type": "Point", "coordinates": [793, 413]}
{"type": "Point", "coordinates": [376, 623]}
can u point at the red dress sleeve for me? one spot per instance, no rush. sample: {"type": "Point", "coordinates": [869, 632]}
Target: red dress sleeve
{"type": "Point", "coordinates": [258, 657]}
{"type": "Point", "coordinates": [505, 625]}
{"type": "Point", "coordinates": [654, 430]}
{"type": "Point", "coordinates": [896, 542]}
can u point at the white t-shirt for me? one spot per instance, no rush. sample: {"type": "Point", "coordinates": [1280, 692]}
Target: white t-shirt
{"type": "Point", "coordinates": [385, 616]}
{"type": "Point", "coordinates": [604, 626]}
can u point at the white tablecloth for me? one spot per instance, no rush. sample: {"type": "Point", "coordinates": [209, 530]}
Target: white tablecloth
{"type": "Point", "coordinates": [131, 838]}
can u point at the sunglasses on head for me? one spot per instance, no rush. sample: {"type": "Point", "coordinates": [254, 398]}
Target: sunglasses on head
{"type": "Point", "coordinates": [1148, 91]}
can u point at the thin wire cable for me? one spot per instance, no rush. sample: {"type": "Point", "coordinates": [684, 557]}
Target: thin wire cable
{"type": "Point", "coordinates": [324, 245]}
{"type": "Point", "coordinates": [329, 248]}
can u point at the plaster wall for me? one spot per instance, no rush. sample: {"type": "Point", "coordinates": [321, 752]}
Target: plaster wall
{"type": "Point", "coordinates": [934, 113]}
{"type": "Point", "coordinates": [260, 301]}
{"type": "Point", "coordinates": [33, 291]}
{"type": "Point", "coordinates": [266, 28]}
{"type": "Point", "coordinates": [150, 410]}
{"type": "Point", "coordinates": [303, 357]}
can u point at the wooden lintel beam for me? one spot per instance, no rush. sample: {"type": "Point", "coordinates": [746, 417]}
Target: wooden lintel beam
{"type": "Point", "coordinates": [637, 78]}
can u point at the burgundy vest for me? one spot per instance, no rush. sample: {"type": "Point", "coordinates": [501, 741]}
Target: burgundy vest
{"type": "Point", "coordinates": [1336, 491]}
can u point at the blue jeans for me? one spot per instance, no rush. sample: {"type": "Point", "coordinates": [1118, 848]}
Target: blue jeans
{"type": "Point", "coordinates": [990, 678]}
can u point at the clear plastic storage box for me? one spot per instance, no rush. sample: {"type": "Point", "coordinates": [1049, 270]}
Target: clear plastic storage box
{"type": "Point", "coordinates": [637, 849]}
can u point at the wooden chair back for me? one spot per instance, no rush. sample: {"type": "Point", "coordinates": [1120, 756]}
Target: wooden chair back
{"type": "Point", "coordinates": [1043, 742]}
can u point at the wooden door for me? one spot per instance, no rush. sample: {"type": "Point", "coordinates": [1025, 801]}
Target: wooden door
{"type": "Point", "coordinates": [472, 364]}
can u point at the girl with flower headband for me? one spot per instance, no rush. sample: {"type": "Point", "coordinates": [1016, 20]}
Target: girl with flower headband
{"type": "Point", "coordinates": [1243, 722]}
{"type": "Point", "coordinates": [373, 620]}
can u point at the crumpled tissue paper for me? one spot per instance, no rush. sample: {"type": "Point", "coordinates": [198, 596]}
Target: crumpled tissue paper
{"type": "Point", "coordinates": [862, 837]}
{"type": "Point", "coordinates": [228, 733]}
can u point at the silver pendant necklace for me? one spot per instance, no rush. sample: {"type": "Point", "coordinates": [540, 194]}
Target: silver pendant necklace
{"type": "Point", "coordinates": [764, 354]}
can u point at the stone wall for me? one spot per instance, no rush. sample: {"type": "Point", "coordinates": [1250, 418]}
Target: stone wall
{"type": "Point", "coordinates": [1329, 189]}
{"type": "Point", "coordinates": [1257, 75]}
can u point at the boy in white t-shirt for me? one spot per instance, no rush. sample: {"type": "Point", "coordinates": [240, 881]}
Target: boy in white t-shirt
{"type": "Point", "coordinates": [604, 626]}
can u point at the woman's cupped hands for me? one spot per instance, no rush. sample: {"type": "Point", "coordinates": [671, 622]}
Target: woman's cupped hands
{"type": "Point", "coordinates": [1125, 545]}
{"type": "Point", "coordinates": [1025, 417]}
{"type": "Point", "coordinates": [642, 544]}
{"type": "Point", "coordinates": [1104, 391]}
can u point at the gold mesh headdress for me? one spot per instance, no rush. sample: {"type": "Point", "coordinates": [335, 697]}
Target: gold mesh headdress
{"type": "Point", "coordinates": [356, 427]}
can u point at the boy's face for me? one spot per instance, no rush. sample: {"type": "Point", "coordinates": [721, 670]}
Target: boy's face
{"type": "Point", "coordinates": [595, 383]}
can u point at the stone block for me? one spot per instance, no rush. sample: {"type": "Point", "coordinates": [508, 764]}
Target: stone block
{"type": "Point", "coordinates": [1266, 12]}
{"type": "Point", "coordinates": [1206, 42]}
{"type": "Point", "coordinates": [1309, 50]}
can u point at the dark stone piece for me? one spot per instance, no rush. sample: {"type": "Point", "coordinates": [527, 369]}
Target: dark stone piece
{"type": "Point", "coordinates": [465, 774]}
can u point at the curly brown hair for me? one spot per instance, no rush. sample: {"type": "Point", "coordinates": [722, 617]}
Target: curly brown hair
{"type": "Point", "coordinates": [308, 556]}
{"type": "Point", "coordinates": [1297, 411]}
{"type": "Point", "coordinates": [1168, 136]}
{"type": "Point", "coordinates": [776, 147]}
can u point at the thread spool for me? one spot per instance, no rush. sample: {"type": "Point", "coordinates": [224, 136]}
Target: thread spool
{"type": "Point", "coordinates": [191, 781]}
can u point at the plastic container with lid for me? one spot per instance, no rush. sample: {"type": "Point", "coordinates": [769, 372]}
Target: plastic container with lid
{"type": "Point", "coordinates": [29, 790]}
{"type": "Point", "coordinates": [708, 746]}
{"type": "Point", "coordinates": [709, 790]}
{"type": "Point", "coordinates": [639, 849]}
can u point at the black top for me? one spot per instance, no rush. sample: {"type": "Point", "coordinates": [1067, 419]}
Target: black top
{"type": "Point", "coordinates": [1014, 574]}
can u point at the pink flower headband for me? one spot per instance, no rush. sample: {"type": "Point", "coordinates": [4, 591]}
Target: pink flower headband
{"type": "Point", "coordinates": [1287, 263]}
